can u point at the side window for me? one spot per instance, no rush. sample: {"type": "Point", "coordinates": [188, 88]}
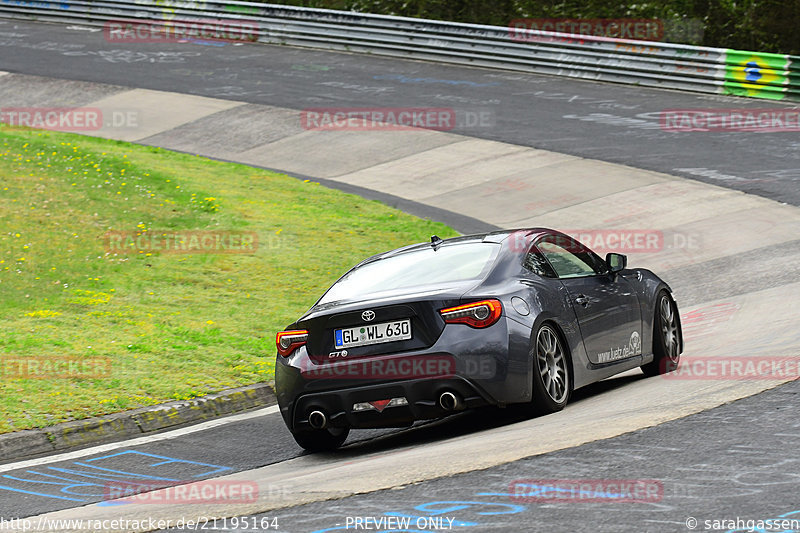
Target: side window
{"type": "Point", "coordinates": [536, 263]}
{"type": "Point", "coordinates": [569, 258]}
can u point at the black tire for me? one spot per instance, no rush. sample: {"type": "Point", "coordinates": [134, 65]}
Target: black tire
{"type": "Point", "coordinates": [551, 372]}
{"type": "Point", "coordinates": [666, 337]}
{"type": "Point", "coordinates": [321, 440]}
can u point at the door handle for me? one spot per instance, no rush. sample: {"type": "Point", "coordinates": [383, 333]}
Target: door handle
{"type": "Point", "coordinates": [583, 300]}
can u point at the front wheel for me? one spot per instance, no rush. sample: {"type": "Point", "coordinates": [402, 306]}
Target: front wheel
{"type": "Point", "coordinates": [666, 338]}
{"type": "Point", "coordinates": [321, 440]}
{"type": "Point", "coordinates": [551, 379]}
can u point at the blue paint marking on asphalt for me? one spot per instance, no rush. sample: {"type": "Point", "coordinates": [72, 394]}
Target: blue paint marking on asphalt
{"type": "Point", "coordinates": [14, 489]}
{"type": "Point", "coordinates": [110, 476]}
{"type": "Point", "coordinates": [454, 523]}
{"type": "Point", "coordinates": [458, 506]}
{"type": "Point", "coordinates": [215, 469]}
{"type": "Point", "coordinates": [76, 486]}
{"type": "Point", "coordinates": [66, 488]}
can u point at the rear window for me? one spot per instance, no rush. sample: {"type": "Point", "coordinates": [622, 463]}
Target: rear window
{"type": "Point", "coordinates": [455, 262]}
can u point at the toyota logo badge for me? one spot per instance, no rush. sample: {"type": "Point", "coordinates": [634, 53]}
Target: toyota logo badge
{"type": "Point", "coordinates": [368, 315]}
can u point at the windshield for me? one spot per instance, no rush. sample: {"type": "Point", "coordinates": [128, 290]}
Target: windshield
{"type": "Point", "coordinates": [455, 262]}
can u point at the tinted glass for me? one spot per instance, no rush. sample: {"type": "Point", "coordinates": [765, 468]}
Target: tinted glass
{"type": "Point", "coordinates": [569, 258]}
{"type": "Point", "coordinates": [536, 263]}
{"type": "Point", "coordinates": [454, 262]}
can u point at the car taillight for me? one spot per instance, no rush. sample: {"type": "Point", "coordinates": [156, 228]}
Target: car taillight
{"type": "Point", "coordinates": [289, 341]}
{"type": "Point", "coordinates": [477, 314]}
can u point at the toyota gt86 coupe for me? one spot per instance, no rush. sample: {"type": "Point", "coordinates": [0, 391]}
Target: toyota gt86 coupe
{"type": "Point", "coordinates": [507, 317]}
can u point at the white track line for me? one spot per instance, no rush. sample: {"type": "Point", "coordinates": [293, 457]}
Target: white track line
{"type": "Point", "coordinates": [139, 440]}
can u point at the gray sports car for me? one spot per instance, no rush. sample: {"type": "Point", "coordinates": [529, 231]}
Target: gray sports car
{"type": "Point", "coordinates": [508, 317]}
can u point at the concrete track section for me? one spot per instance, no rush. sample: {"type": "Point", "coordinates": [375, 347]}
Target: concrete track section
{"type": "Point", "coordinates": [731, 257]}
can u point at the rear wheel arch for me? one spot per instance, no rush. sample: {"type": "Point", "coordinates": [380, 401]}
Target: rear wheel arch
{"type": "Point", "coordinates": [542, 401]}
{"type": "Point", "coordinates": [567, 350]}
{"type": "Point", "coordinates": [559, 329]}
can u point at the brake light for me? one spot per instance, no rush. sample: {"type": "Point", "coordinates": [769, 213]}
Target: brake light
{"type": "Point", "coordinates": [477, 314]}
{"type": "Point", "coordinates": [289, 341]}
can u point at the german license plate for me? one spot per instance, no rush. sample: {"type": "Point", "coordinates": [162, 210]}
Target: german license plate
{"type": "Point", "coordinates": [399, 330]}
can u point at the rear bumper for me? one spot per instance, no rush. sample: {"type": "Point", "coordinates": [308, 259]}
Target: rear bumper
{"type": "Point", "coordinates": [482, 367]}
{"type": "Point", "coordinates": [422, 397]}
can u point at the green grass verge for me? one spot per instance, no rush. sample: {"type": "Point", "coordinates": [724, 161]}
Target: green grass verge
{"type": "Point", "coordinates": [172, 326]}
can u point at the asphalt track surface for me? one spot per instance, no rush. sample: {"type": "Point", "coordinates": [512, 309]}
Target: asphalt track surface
{"type": "Point", "coordinates": [735, 462]}
{"type": "Point", "coordinates": [606, 122]}
{"type": "Point", "coordinates": [71, 479]}
{"type": "Point", "coordinates": [614, 123]}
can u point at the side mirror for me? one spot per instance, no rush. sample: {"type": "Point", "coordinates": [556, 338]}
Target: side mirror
{"type": "Point", "coordinates": [616, 262]}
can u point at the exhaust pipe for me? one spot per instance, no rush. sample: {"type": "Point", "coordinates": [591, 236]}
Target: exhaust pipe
{"type": "Point", "coordinates": [450, 402]}
{"type": "Point", "coordinates": [317, 420]}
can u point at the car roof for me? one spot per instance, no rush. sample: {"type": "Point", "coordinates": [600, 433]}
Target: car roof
{"type": "Point", "coordinates": [501, 235]}
{"type": "Point", "coordinates": [497, 236]}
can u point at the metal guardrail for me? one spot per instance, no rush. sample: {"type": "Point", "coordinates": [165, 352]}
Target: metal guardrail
{"type": "Point", "coordinates": [645, 63]}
